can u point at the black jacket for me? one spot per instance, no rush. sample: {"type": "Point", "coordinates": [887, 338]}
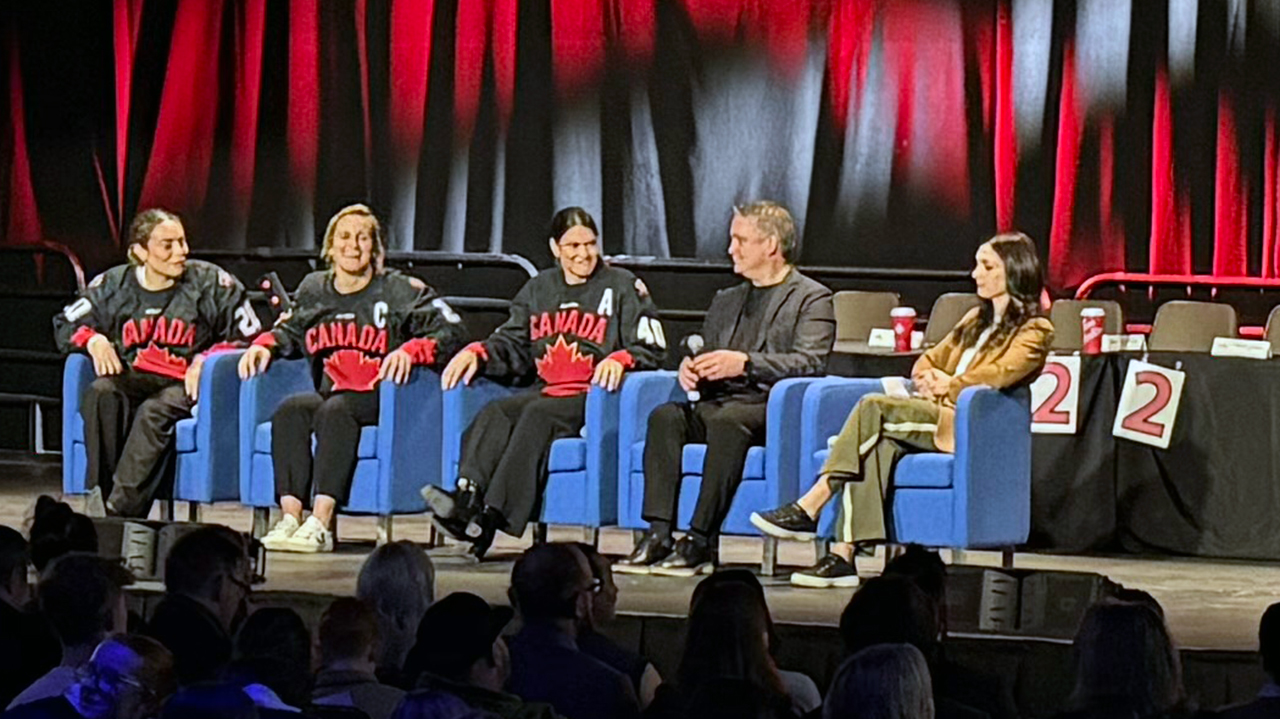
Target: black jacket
{"type": "Point", "coordinates": [158, 332]}
{"type": "Point", "coordinates": [200, 645]}
{"type": "Point", "coordinates": [345, 336]}
{"type": "Point", "coordinates": [562, 331]}
{"type": "Point", "coordinates": [547, 666]}
{"type": "Point", "coordinates": [799, 326]}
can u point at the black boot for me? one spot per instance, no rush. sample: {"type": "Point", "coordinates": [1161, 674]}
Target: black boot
{"type": "Point", "coordinates": [482, 530]}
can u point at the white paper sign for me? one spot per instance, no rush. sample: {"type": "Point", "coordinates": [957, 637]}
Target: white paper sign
{"type": "Point", "coordinates": [1124, 343]}
{"type": "Point", "coordinates": [1148, 404]}
{"type": "Point", "coordinates": [1236, 347]}
{"type": "Point", "coordinates": [880, 337]}
{"type": "Point", "coordinates": [1055, 397]}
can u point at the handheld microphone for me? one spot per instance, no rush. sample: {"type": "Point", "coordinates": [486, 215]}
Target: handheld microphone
{"type": "Point", "coordinates": [692, 346]}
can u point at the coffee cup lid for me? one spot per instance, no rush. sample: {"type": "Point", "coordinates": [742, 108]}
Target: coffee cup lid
{"type": "Point", "coordinates": [902, 312]}
{"type": "Point", "coordinates": [1093, 312]}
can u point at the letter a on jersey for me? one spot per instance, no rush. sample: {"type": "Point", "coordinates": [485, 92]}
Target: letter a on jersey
{"type": "Point", "coordinates": [606, 303]}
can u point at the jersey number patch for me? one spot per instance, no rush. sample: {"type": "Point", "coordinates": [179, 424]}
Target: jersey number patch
{"type": "Point", "coordinates": [247, 320]}
{"type": "Point", "coordinates": [77, 309]}
{"type": "Point", "coordinates": [650, 332]}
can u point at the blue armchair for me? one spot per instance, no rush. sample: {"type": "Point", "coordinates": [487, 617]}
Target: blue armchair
{"type": "Point", "coordinates": [394, 459]}
{"type": "Point", "coordinates": [770, 477]}
{"type": "Point", "coordinates": [206, 444]}
{"type": "Point", "coordinates": [582, 485]}
{"type": "Point", "coordinates": [979, 497]}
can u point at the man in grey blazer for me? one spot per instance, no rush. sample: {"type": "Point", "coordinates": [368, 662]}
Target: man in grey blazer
{"type": "Point", "coordinates": [776, 324]}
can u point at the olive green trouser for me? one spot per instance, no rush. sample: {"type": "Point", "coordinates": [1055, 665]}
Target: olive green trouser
{"type": "Point", "coordinates": [880, 429]}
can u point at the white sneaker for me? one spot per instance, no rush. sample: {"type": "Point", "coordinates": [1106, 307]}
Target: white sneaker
{"type": "Point", "coordinates": [310, 538]}
{"type": "Point", "coordinates": [277, 539]}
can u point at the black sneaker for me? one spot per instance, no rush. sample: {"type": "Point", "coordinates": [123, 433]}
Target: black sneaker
{"type": "Point", "coordinates": [789, 521]}
{"type": "Point", "coordinates": [690, 557]}
{"type": "Point", "coordinates": [651, 549]}
{"type": "Point", "coordinates": [830, 571]}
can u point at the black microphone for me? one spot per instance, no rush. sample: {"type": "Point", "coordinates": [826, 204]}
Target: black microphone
{"type": "Point", "coordinates": [691, 346]}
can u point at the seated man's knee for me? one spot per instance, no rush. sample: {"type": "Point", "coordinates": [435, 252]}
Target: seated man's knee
{"type": "Point", "coordinates": [665, 416]}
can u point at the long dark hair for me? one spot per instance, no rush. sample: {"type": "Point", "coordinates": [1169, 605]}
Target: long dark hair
{"type": "Point", "coordinates": [726, 639]}
{"type": "Point", "coordinates": [569, 218]}
{"type": "Point", "coordinates": [1126, 659]}
{"type": "Point", "coordinates": [1025, 281]}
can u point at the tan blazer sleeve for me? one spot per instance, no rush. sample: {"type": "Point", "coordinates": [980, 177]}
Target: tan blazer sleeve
{"type": "Point", "coordinates": [939, 356]}
{"type": "Point", "coordinates": [1025, 354]}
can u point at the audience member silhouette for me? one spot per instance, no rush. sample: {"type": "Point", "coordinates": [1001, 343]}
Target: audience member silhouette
{"type": "Point", "coordinates": [801, 689]}
{"type": "Point", "coordinates": [460, 652]}
{"type": "Point", "coordinates": [437, 705]}
{"type": "Point", "coordinates": [883, 681]}
{"type": "Point", "coordinates": [604, 608]}
{"type": "Point", "coordinates": [398, 582]}
{"type": "Point", "coordinates": [129, 677]}
{"type": "Point", "coordinates": [726, 649]}
{"type": "Point", "coordinates": [1267, 704]}
{"type": "Point", "coordinates": [206, 578]}
{"type": "Point", "coordinates": [210, 701]}
{"type": "Point", "coordinates": [82, 597]}
{"type": "Point", "coordinates": [1126, 665]}
{"type": "Point", "coordinates": [348, 647]}
{"type": "Point", "coordinates": [272, 660]}
{"type": "Point", "coordinates": [552, 587]}
{"type": "Point", "coordinates": [27, 646]}
{"type": "Point", "coordinates": [57, 530]}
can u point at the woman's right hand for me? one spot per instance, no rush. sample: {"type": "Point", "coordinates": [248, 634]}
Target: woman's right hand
{"type": "Point", "coordinates": [463, 366]}
{"type": "Point", "coordinates": [254, 361]}
{"type": "Point", "coordinates": [105, 360]}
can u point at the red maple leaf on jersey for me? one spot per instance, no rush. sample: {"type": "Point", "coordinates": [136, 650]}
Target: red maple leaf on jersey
{"type": "Point", "coordinates": [564, 369]}
{"type": "Point", "coordinates": [160, 361]}
{"type": "Point", "coordinates": [352, 370]}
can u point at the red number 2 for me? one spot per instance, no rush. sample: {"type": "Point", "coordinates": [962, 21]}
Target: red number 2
{"type": "Point", "coordinates": [1048, 412]}
{"type": "Point", "coordinates": [1140, 419]}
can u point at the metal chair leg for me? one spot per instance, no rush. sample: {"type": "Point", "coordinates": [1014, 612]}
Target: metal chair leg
{"type": "Point", "coordinates": [261, 518]}
{"type": "Point", "coordinates": [166, 510]}
{"type": "Point", "coordinates": [769, 560]}
{"type": "Point", "coordinates": [433, 537]}
{"type": "Point", "coordinates": [384, 534]}
{"type": "Point", "coordinates": [1006, 558]}
{"type": "Point", "coordinates": [539, 532]}
{"type": "Point", "coordinates": [193, 512]}
{"type": "Point", "coordinates": [592, 536]}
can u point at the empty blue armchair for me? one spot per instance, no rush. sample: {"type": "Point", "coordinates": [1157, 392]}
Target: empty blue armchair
{"type": "Point", "coordinates": [206, 444]}
{"type": "Point", "coordinates": [771, 474]}
{"type": "Point", "coordinates": [979, 497]}
{"type": "Point", "coordinates": [582, 485]}
{"type": "Point", "coordinates": [395, 457]}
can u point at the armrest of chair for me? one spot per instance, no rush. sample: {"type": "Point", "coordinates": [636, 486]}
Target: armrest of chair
{"type": "Point", "coordinates": [460, 405]}
{"type": "Point", "coordinates": [993, 458]}
{"type": "Point", "coordinates": [260, 395]}
{"type": "Point", "coordinates": [601, 432]}
{"type": "Point", "coordinates": [409, 433]}
{"type": "Point", "coordinates": [642, 393]}
{"type": "Point", "coordinates": [77, 373]}
{"type": "Point", "coordinates": [218, 416]}
{"type": "Point", "coordinates": [782, 439]}
{"type": "Point", "coordinates": [824, 410]}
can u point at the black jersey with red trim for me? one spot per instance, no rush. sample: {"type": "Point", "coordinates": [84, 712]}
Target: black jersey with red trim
{"type": "Point", "coordinates": [346, 336]}
{"type": "Point", "coordinates": [561, 331]}
{"type": "Point", "coordinates": [159, 331]}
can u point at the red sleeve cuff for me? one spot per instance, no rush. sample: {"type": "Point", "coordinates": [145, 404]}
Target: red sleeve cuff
{"type": "Point", "coordinates": [624, 358]}
{"type": "Point", "coordinates": [82, 336]}
{"type": "Point", "coordinates": [479, 349]}
{"type": "Point", "coordinates": [421, 349]}
{"type": "Point", "coordinates": [266, 339]}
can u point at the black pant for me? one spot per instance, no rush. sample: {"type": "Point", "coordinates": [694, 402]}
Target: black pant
{"type": "Point", "coordinates": [128, 436]}
{"type": "Point", "coordinates": [728, 429]}
{"type": "Point", "coordinates": [504, 451]}
{"type": "Point", "coordinates": [335, 419]}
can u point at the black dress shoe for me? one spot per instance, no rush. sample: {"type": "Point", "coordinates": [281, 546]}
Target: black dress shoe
{"type": "Point", "coordinates": [653, 548]}
{"type": "Point", "coordinates": [692, 556]}
{"type": "Point", "coordinates": [482, 530]}
{"type": "Point", "coordinates": [789, 521]}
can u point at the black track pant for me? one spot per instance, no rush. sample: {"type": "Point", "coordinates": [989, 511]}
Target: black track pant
{"type": "Point", "coordinates": [728, 429]}
{"type": "Point", "coordinates": [504, 451]}
{"type": "Point", "coordinates": [128, 433]}
{"type": "Point", "coordinates": [335, 419]}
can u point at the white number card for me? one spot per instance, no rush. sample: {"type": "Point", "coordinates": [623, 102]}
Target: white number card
{"type": "Point", "coordinates": [1148, 404]}
{"type": "Point", "coordinates": [1055, 397]}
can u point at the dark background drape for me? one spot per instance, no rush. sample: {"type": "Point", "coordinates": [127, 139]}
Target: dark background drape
{"type": "Point", "coordinates": [1119, 134]}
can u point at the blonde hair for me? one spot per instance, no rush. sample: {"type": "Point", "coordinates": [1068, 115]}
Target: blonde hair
{"type": "Point", "coordinates": [360, 210]}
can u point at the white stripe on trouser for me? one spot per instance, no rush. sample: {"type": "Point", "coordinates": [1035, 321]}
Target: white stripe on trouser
{"type": "Point", "coordinates": [846, 526]}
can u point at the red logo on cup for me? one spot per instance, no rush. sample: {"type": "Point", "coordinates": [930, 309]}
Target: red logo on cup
{"type": "Point", "coordinates": [1092, 320]}
{"type": "Point", "coordinates": [904, 323]}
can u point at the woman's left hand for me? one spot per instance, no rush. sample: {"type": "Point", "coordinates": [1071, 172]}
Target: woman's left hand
{"type": "Point", "coordinates": [396, 367]}
{"type": "Point", "coordinates": [608, 374]}
{"type": "Point", "coordinates": [935, 383]}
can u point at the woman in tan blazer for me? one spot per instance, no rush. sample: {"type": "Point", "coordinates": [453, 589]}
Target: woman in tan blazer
{"type": "Point", "coordinates": [1001, 343]}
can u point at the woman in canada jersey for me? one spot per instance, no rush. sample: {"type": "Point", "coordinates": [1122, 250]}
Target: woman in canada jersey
{"type": "Point", "coordinates": [359, 324]}
{"type": "Point", "coordinates": [575, 325]}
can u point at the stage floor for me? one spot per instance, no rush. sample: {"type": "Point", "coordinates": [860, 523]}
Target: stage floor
{"type": "Point", "coordinates": [1210, 604]}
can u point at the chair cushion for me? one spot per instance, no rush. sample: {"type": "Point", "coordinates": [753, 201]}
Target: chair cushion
{"type": "Point", "coordinates": [567, 455]}
{"type": "Point", "coordinates": [367, 449]}
{"type": "Point", "coordinates": [696, 454]}
{"type": "Point", "coordinates": [184, 435]}
{"type": "Point", "coordinates": [930, 469]}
